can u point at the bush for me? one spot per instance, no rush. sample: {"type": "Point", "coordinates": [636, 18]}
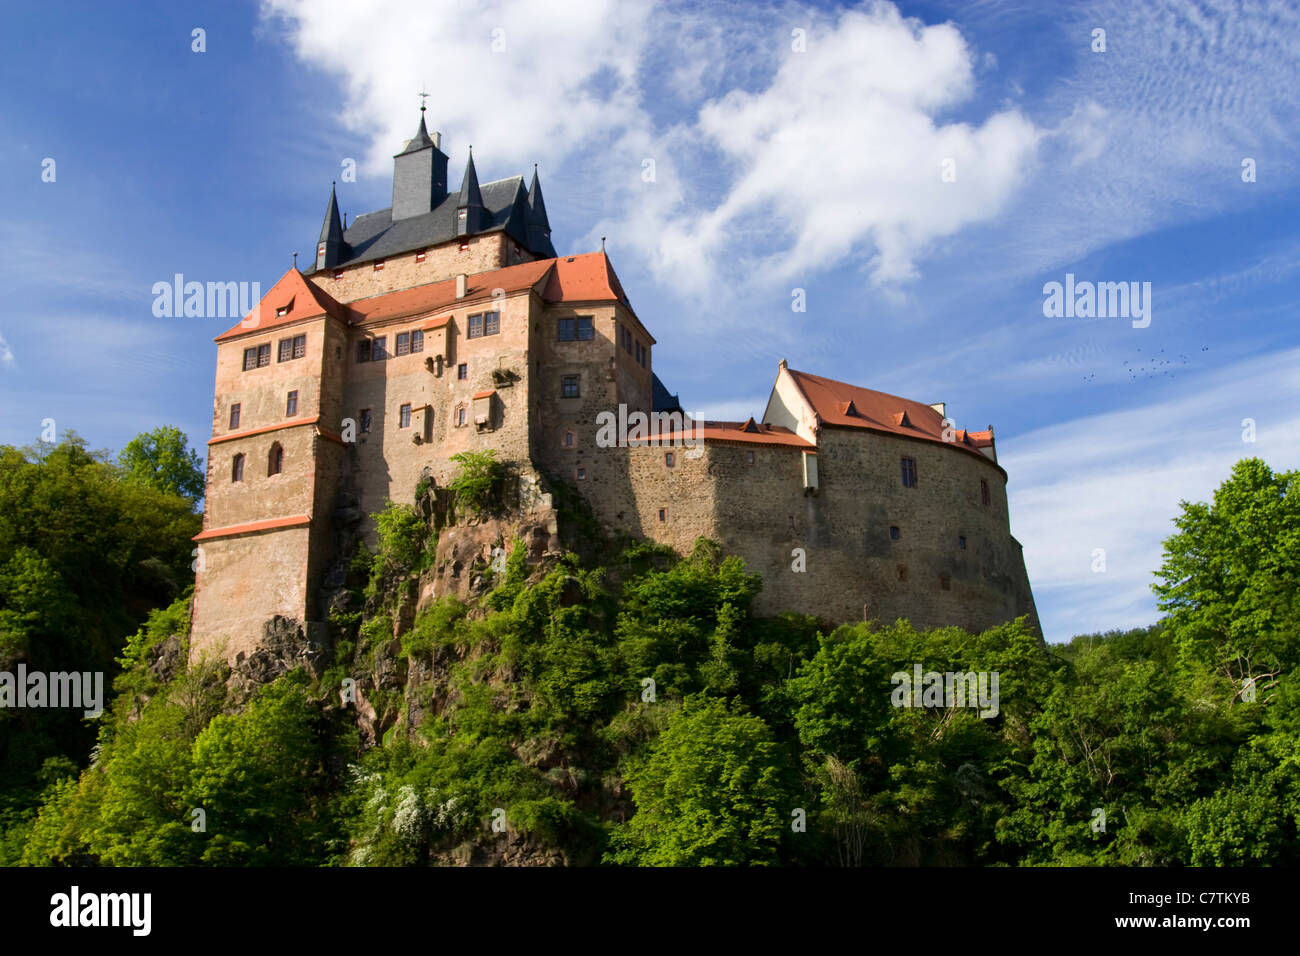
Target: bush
{"type": "Point", "coordinates": [478, 478]}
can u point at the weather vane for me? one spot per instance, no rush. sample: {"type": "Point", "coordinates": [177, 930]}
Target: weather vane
{"type": "Point", "coordinates": [423, 97]}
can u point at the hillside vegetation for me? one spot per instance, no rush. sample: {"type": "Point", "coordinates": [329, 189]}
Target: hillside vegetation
{"type": "Point", "coordinates": [636, 711]}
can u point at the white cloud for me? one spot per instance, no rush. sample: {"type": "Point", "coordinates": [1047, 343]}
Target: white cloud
{"type": "Point", "coordinates": [523, 81]}
{"type": "Point", "coordinates": [1114, 481]}
{"type": "Point", "coordinates": [842, 151]}
{"type": "Point", "coordinates": [6, 353]}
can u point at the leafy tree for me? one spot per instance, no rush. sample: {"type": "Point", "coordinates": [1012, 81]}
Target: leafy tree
{"type": "Point", "coordinates": [161, 459]}
{"type": "Point", "coordinates": [1231, 580]}
{"type": "Point", "coordinates": [713, 791]}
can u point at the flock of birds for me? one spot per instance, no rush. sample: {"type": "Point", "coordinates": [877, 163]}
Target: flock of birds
{"type": "Point", "coordinates": [1151, 366]}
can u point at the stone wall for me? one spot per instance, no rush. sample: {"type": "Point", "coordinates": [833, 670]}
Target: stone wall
{"type": "Point", "coordinates": [486, 252]}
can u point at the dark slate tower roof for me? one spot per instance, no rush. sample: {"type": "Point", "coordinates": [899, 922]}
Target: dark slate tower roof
{"type": "Point", "coordinates": [539, 225]}
{"type": "Point", "coordinates": [419, 170]}
{"type": "Point", "coordinates": [331, 248]}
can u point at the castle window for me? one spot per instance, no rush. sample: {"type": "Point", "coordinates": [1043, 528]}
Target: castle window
{"type": "Point", "coordinates": [586, 328]}
{"type": "Point", "coordinates": [363, 350]}
{"type": "Point", "coordinates": [945, 582]}
{"type": "Point", "coordinates": [237, 468]}
{"type": "Point", "coordinates": [464, 246]}
{"type": "Point", "coordinates": [299, 346]}
{"type": "Point", "coordinates": [961, 542]}
{"type": "Point", "coordinates": [909, 472]}
{"type": "Point", "coordinates": [338, 353]}
{"type": "Point", "coordinates": [491, 323]}
{"type": "Point", "coordinates": [404, 417]}
{"type": "Point", "coordinates": [379, 265]}
{"type": "Point", "coordinates": [570, 389]}
{"type": "Point", "coordinates": [461, 415]}
{"type": "Point", "coordinates": [403, 343]}
{"type": "Point", "coordinates": [379, 350]}
{"type": "Point", "coordinates": [580, 328]}
{"type": "Point", "coordinates": [419, 256]}
{"type": "Point", "coordinates": [749, 457]}
{"type": "Point", "coordinates": [984, 492]}
{"type": "Point", "coordinates": [569, 439]}
{"type": "Point", "coordinates": [291, 404]}
{"type": "Point", "coordinates": [234, 415]}
{"type": "Point", "coordinates": [417, 341]}
{"type": "Point", "coordinates": [257, 357]}
{"type": "Point", "coordinates": [668, 459]}
{"type": "Point", "coordinates": [565, 330]}
{"type": "Point", "coordinates": [902, 572]}
{"type": "Point", "coordinates": [663, 515]}
{"type": "Point", "coordinates": [894, 533]}
{"type": "Point", "coordinates": [338, 273]}
{"type": "Point", "coordinates": [275, 461]}
{"type": "Point", "coordinates": [475, 326]}
{"type": "Point", "coordinates": [365, 421]}
{"type": "Point", "coordinates": [462, 371]}
{"type": "Point", "coordinates": [582, 474]}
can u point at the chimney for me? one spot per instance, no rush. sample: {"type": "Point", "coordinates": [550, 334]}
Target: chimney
{"type": "Point", "coordinates": [461, 283]}
{"type": "Point", "coordinates": [437, 139]}
{"type": "Point", "coordinates": [940, 408]}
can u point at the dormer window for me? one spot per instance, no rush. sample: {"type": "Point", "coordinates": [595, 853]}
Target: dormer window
{"type": "Point", "coordinates": [282, 312]}
{"type": "Point", "coordinates": [338, 273]}
{"type": "Point", "coordinates": [379, 266]}
{"type": "Point", "coordinates": [419, 256]}
{"type": "Point", "coordinates": [464, 246]}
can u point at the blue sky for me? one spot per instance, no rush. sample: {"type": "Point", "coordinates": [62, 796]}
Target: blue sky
{"type": "Point", "coordinates": [781, 160]}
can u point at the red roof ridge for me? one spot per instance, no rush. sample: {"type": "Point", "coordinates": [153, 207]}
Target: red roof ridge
{"type": "Point", "coordinates": [317, 302]}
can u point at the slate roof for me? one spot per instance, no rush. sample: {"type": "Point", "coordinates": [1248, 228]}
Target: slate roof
{"type": "Point", "coordinates": [375, 235]}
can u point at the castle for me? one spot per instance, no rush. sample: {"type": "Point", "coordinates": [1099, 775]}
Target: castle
{"type": "Point", "coordinates": [448, 323]}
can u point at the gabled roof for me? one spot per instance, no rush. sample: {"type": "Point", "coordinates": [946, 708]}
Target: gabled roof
{"type": "Point", "coordinates": [849, 406]}
{"type": "Point", "coordinates": [303, 300]}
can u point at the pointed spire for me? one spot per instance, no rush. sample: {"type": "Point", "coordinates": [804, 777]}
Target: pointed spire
{"type": "Point", "coordinates": [539, 227]}
{"type": "Point", "coordinates": [421, 139]}
{"type": "Point", "coordinates": [469, 191]}
{"type": "Point", "coordinates": [470, 214]}
{"type": "Point", "coordinates": [332, 229]}
{"type": "Point", "coordinates": [537, 205]}
{"type": "Point", "coordinates": [330, 247]}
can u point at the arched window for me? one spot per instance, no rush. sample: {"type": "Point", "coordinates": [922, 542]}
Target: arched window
{"type": "Point", "coordinates": [237, 468]}
{"type": "Point", "coordinates": [275, 461]}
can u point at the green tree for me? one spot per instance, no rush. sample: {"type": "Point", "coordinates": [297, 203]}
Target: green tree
{"type": "Point", "coordinates": [162, 459]}
{"type": "Point", "coordinates": [714, 791]}
{"type": "Point", "coordinates": [1230, 581]}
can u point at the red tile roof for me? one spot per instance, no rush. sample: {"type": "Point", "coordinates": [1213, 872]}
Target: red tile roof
{"type": "Point", "coordinates": [488, 394]}
{"type": "Point", "coordinates": [437, 296]}
{"type": "Point", "coordinates": [746, 432]}
{"type": "Point", "coordinates": [848, 406]}
{"type": "Point", "coordinates": [302, 299]}
{"type": "Point", "coordinates": [587, 278]}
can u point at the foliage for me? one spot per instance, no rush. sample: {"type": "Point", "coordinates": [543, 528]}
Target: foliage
{"type": "Point", "coordinates": [162, 460]}
{"type": "Point", "coordinates": [478, 478]}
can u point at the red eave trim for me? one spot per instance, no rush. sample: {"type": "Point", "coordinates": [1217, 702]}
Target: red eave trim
{"type": "Point", "coordinates": [253, 526]}
{"type": "Point", "coordinates": [488, 394]}
{"type": "Point", "coordinates": [268, 428]}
